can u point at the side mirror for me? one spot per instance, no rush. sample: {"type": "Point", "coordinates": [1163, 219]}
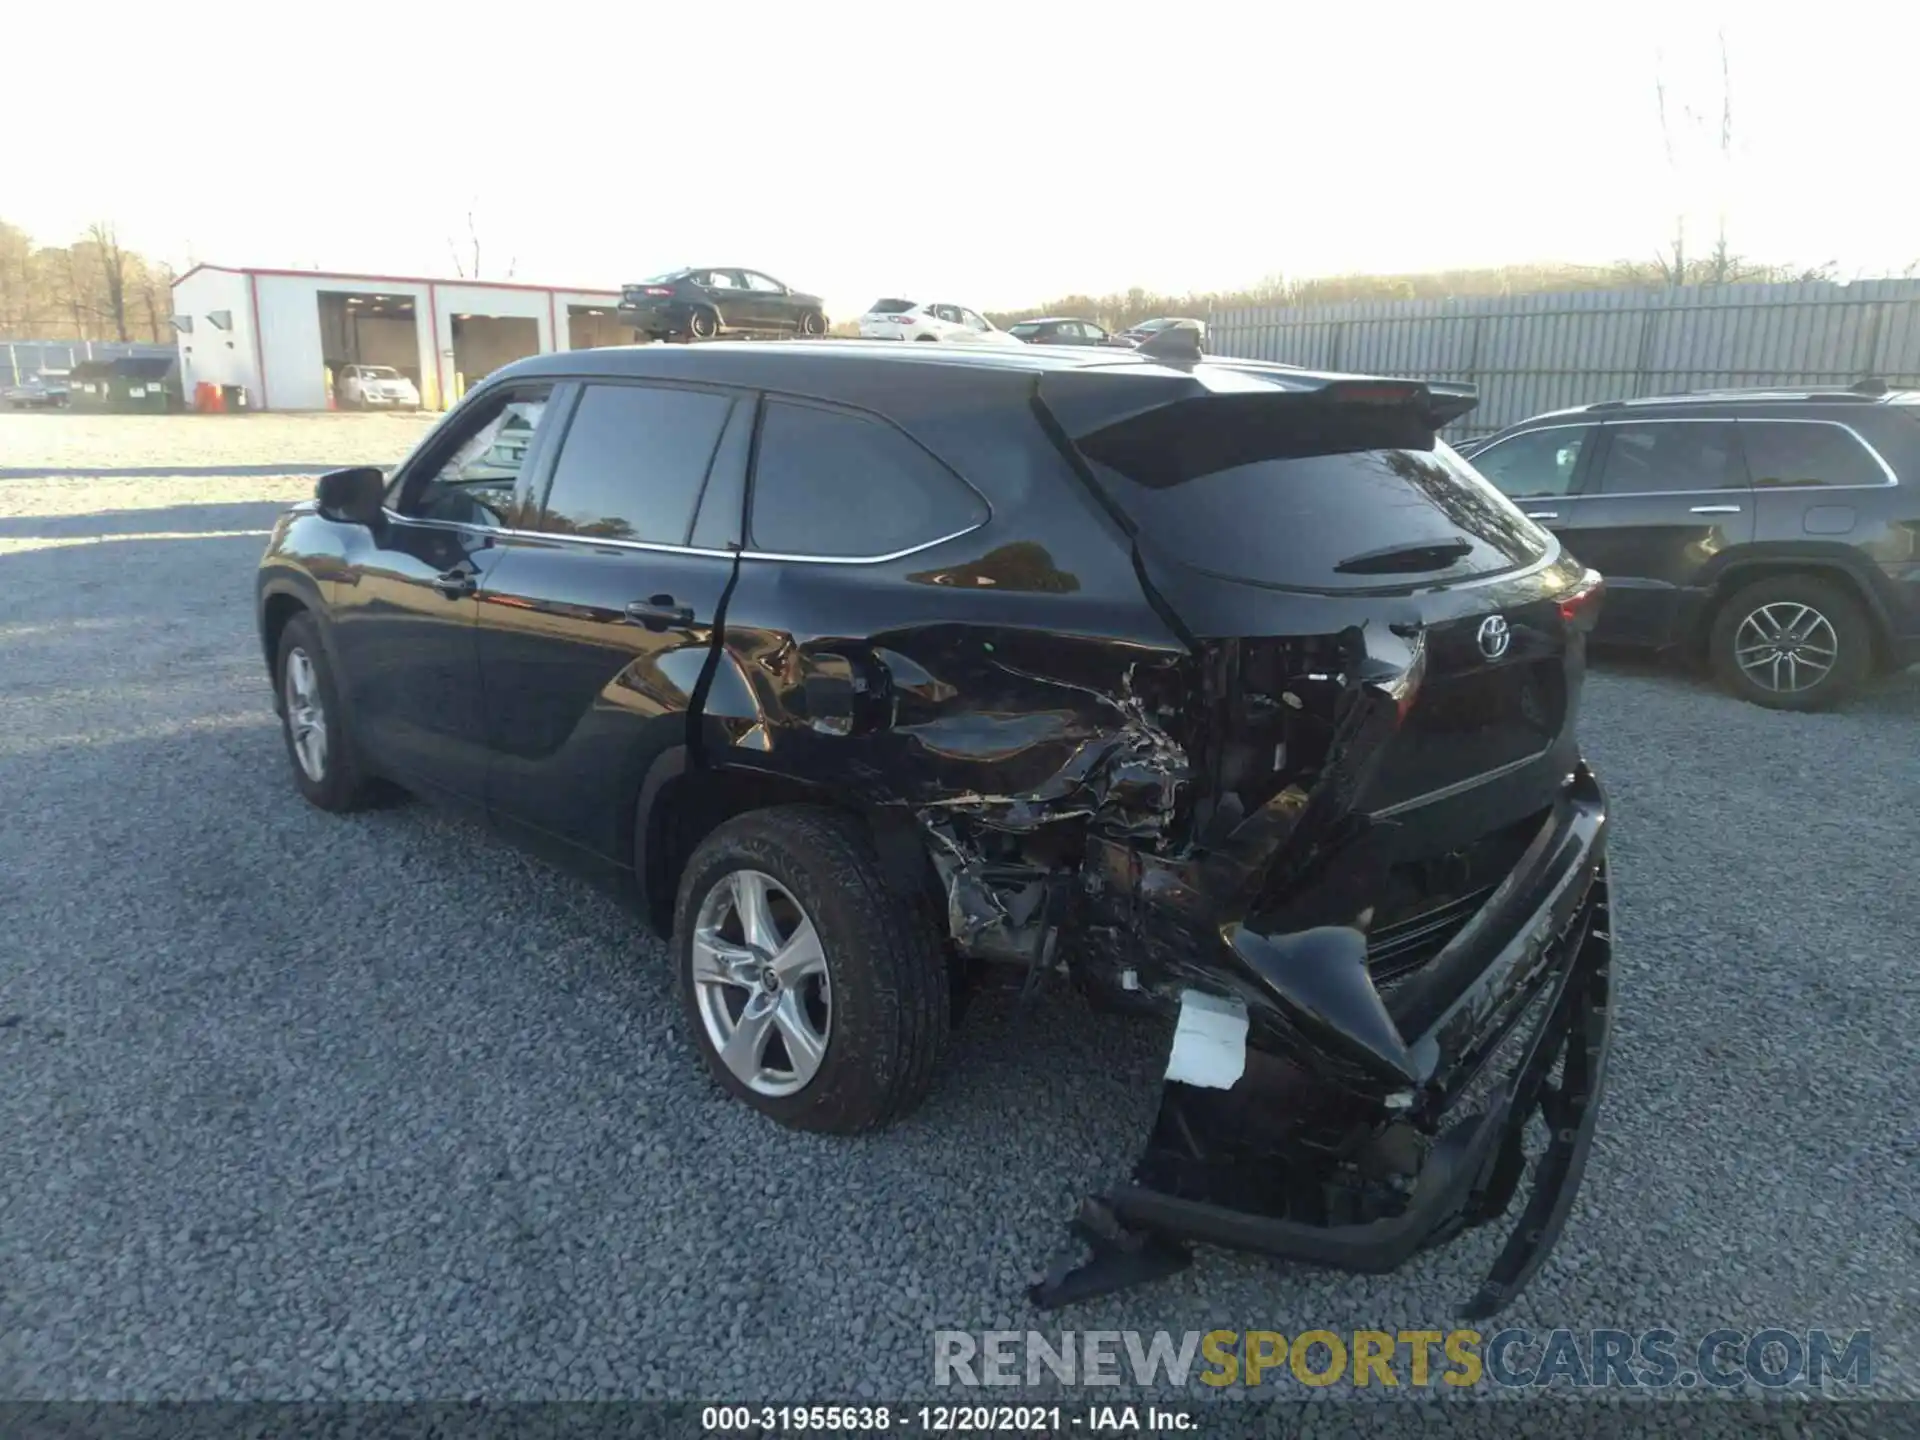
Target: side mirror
{"type": "Point", "coordinates": [353, 496]}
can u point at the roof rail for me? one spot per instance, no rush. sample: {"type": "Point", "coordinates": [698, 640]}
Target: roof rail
{"type": "Point", "coordinates": [1871, 385]}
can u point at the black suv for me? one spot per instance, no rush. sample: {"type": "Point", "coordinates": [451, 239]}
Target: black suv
{"type": "Point", "coordinates": [1768, 529]}
{"type": "Point", "coordinates": [706, 301]}
{"type": "Point", "coordinates": [1218, 689]}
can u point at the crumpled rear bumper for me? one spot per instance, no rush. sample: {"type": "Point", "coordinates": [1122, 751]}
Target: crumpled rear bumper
{"type": "Point", "coordinates": [1535, 998]}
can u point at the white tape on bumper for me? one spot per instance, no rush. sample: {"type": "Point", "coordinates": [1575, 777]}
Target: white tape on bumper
{"type": "Point", "coordinates": [1210, 1042]}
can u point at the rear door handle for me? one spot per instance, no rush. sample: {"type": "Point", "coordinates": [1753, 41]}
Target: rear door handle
{"type": "Point", "coordinates": [1715, 510]}
{"type": "Point", "coordinates": [1543, 514]}
{"type": "Point", "coordinates": [659, 612]}
{"type": "Point", "coordinates": [455, 583]}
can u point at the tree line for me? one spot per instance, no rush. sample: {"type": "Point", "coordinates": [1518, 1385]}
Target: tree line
{"type": "Point", "coordinates": [1719, 267]}
{"type": "Point", "coordinates": [92, 289]}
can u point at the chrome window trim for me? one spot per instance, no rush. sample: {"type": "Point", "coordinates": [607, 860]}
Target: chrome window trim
{"type": "Point", "coordinates": [1474, 459]}
{"type": "Point", "coordinates": [667, 548]}
{"type": "Point", "coordinates": [1858, 439]}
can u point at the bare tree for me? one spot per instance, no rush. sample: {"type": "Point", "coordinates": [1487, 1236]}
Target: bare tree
{"type": "Point", "coordinates": [113, 269]}
{"type": "Point", "coordinates": [1674, 266]}
{"type": "Point", "coordinates": [473, 239]}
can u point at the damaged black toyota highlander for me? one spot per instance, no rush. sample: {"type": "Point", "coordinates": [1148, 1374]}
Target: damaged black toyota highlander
{"type": "Point", "coordinates": [1221, 690]}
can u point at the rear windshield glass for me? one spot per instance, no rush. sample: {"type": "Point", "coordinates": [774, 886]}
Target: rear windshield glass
{"type": "Point", "coordinates": [1294, 523]}
{"type": "Point", "coordinates": [890, 307]}
{"type": "Point", "coordinates": [1024, 329]}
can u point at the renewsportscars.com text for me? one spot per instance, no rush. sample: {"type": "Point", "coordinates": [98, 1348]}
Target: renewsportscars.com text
{"type": "Point", "coordinates": [1771, 1358]}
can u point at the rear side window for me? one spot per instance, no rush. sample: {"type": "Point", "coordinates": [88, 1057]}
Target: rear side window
{"type": "Point", "coordinates": [1336, 522]}
{"type": "Point", "coordinates": [1537, 464]}
{"type": "Point", "coordinates": [632, 463]}
{"type": "Point", "coordinates": [1670, 457]}
{"type": "Point", "coordinates": [1025, 329]}
{"type": "Point", "coordinates": [839, 485]}
{"type": "Point", "coordinates": [1783, 452]}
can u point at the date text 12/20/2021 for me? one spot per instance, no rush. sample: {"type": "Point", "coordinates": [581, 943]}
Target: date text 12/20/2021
{"type": "Point", "coordinates": [944, 1419]}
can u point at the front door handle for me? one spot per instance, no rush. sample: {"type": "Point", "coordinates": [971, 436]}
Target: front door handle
{"type": "Point", "coordinates": [1715, 510]}
{"type": "Point", "coordinates": [1543, 514]}
{"type": "Point", "coordinates": [454, 584]}
{"type": "Point", "coordinates": [659, 612]}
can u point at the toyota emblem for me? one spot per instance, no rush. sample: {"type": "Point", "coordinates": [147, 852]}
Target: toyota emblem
{"type": "Point", "coordinates": [1495, 637]}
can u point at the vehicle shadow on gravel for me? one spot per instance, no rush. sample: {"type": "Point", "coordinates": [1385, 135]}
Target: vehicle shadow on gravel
{"type": "Point", "coordinates": [1896, 694]}
{"type": "Point", "coordinates": [171, 520]}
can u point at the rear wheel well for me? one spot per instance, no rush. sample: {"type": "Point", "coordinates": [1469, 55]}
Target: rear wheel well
{"type": "Point", "coordinates": [1733, 581]}
{"type": "Point", "coordinates": [692, 805]}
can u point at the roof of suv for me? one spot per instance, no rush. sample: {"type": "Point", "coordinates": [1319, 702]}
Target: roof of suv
{"type": "Point", "coordinates": [1866, 393]}
{"type": "Point", "coordinates": [788, 361]}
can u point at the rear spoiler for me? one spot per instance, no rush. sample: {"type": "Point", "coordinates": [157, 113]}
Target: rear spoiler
{"type": "Point", "coordinates": [1200, 434]}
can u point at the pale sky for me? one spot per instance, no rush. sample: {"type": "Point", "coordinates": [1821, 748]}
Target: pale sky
{"type": "Point", "coordinates": [992, 154]}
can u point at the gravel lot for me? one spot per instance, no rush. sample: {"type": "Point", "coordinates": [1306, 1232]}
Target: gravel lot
{"type": "Point", "coordinates": [296, 1106]}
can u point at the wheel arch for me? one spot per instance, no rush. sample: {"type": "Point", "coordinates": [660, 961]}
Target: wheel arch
{"type": "Point", "coordinates": [680, 803]}
{"type": "Point", "coordinates": [1835, 565]}
{"type": "Point", "coordinates": [281, 598]}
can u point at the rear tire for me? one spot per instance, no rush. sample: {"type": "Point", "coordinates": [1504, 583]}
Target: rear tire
{"type": "Point", "coordinates": [813, 324]}
{"type": "Point", "coordinates": [703, 324]}
{"type": "Point", "coordinates": [874, 1008]}
{"type": "Point", "coordinates": [929, 339]}
{"type": "Point", "coordinates": [326, 768]}
{"type": "Point", "coordinates": [1791, 642]}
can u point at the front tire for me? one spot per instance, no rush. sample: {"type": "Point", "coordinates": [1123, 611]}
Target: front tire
{"type": "Point", "coordinates": [325, 768]}
{"type": "Point", "coordinates": [929, 339]}
{"type": "Point", "coordinates": [1791, 642]}
{"type": "Point", "coordinates": [814, 991]}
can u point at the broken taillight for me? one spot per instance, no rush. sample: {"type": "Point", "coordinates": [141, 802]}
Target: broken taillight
{"type": "Point", "coordinates": [1580, 606]}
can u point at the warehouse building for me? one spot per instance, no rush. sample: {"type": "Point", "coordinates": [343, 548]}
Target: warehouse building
{"type": "Point", "coordinates": [285, 334]}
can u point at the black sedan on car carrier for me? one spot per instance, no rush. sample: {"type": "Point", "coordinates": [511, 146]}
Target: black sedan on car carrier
{"type": "Point", "coordinates": [1222, 691]}
{"type": "Point", "coordinates": [708, 301]}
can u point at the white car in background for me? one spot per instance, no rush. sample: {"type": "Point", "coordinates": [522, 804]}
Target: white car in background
{"type": "Point", "coordinates": [361, 387]}
{"type": "Point", "coordinates": [914, 320]}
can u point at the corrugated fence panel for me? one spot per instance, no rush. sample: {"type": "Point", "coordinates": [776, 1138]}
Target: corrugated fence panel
{"type": "Point", "coordinates": [1533, 353]}
{"type": "Point", "coordinates": [21, 360]}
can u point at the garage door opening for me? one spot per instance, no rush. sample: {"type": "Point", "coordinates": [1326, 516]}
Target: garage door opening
{"type": "Point", "coordinates": [368, 328]}
{"type": "Point", "coordinates": [483, 343]}
{"type": "Point", "coordinates": [590, 327]}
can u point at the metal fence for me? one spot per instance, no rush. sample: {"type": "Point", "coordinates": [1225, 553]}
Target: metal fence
{"type": "Point", "coordinates": [23, 359]}
{"type": "Point", "coordinates": [1531, 353]}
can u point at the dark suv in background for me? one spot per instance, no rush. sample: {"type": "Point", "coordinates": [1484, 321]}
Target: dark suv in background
{"type": "Point", "coordinates": [1777, 532]}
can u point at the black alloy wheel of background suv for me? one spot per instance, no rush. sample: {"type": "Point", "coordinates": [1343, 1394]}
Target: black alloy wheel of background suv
{"type": "Point", "coordinates": [1774, 533]}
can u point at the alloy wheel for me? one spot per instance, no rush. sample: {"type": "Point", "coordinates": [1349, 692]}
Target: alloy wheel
{"type": "Point", "coordinates": [306, 715]}
{"type": "Point", "coordinates": [1786, 647]}
{"type": "Point", "coordinates": [760, 983]}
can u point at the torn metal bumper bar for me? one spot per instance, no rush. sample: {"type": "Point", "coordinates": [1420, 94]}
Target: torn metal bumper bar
{"type": "Point", "coordinates": [1316, 1195]}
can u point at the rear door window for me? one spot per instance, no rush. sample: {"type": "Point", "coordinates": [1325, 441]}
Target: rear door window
{"type": "Point", "coordinates": [1537, 464]}
{"type": "Point", "coordinates": [835, 484]}
{"type": "Point", "coordinates": [632, 462]}
{"type": "Point", "coordinates": [1795, 452]}
{"type": "Point", "coordinates": [1347, 521]}
{"type": "Point", "coordinates": [1659, 457]}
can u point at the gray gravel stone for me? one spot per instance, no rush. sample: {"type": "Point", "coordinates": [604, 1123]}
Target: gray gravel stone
{"type": "Point", "coordinates": [293, 1105]}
